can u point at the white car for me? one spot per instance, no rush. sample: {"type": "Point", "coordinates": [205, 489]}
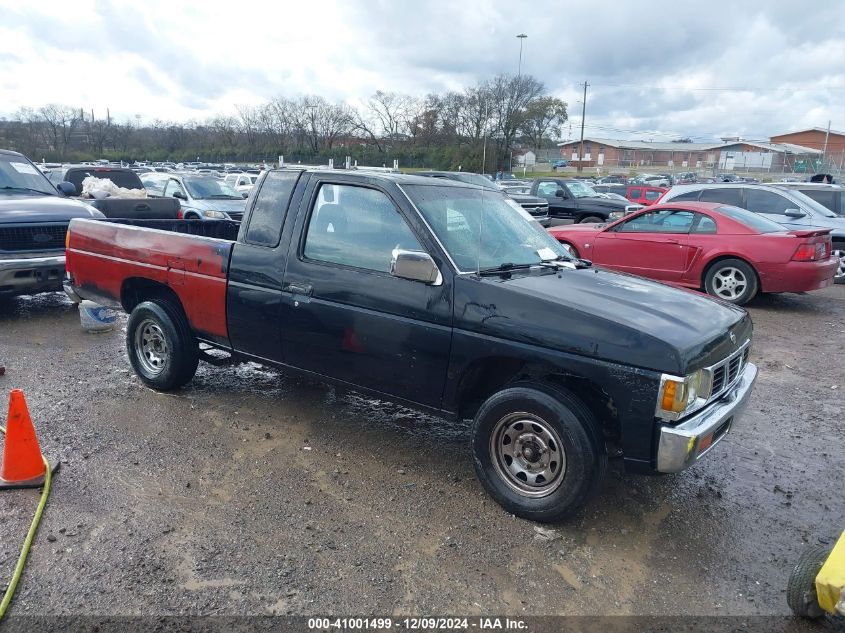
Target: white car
{"type": "Point", "coordinates": [244, 182]}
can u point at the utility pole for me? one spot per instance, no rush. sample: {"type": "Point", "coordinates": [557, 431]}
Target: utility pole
{"type": "Point", "coordinates": [824, 150]}
{"type": "Point", "coordinates": [521, 37]}
{"type": "Point", "coordinates": [583, 114]}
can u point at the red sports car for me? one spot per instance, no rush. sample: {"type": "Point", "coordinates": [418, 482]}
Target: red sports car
{"type": "Point", "coordinates": [729, 252]}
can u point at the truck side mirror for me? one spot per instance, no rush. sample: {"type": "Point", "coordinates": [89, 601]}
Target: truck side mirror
{"type": "Point", "coordinates": [794, 213]}
{"type": "Point", "coordinates": [560, 193]}
{"type": "Point", "coordinates": [66, 188]}
{"type": "Point", "coordinates": [415, 266]}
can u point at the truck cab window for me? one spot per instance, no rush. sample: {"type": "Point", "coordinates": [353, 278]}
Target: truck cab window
{"type": "Point", "coordinates": [358, 227]}
{"type": "Point", "coordinates": [271, 203]}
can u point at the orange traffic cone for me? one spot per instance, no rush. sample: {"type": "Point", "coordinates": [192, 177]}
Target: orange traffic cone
{"type": "Point", "coordinates": [23, 466]}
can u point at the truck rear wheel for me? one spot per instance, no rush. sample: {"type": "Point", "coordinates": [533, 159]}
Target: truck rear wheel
{"type": "Point", "coordinates": [161, 346]}
{"type": "Point", "coordinates": [537, 451]}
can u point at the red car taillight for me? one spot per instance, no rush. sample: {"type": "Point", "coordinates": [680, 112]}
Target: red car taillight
{"type": "Point", "coordinates": [179, 215]}
{"type": "Point", "coordinates": [812, 252]}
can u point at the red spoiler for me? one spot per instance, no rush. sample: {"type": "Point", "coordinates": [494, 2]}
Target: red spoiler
{"type": "Point", "coordinates": [810, 232]}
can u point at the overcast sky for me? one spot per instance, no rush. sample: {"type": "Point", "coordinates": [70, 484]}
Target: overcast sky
{"type": "Point", "coordinates": [655, 68]}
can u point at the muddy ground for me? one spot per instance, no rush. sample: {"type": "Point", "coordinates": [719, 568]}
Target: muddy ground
{"type": "Point", "coordinates": [258, 492]}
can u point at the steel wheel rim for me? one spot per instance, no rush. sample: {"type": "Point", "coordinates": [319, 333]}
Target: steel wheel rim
{"type": "Point", "coordinates": [840, 270]}
{"type": "Point", "coordinates": [151, 347]}
{"type": "Point", "coordinates": [729, 283]}
{"type": "Point", "coordinates": [528, 454]}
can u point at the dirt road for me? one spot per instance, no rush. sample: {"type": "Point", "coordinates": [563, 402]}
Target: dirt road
{"type": "Point", "coordinates": [257, 492]}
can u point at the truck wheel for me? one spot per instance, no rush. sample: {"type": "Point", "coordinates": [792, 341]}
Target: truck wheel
{"type": "Point", "coordinates": [732, 280]}
{"type": "Point", "coordinates": [801, 588]}
{"type": "Point", "coordinates": [161, 346]}
{"type": "Point", "coordinates": [839, 254]}
{"type": "Point", "coordinates": [591, 219]}
{"type": "Point", "coordinates": [537, 451]}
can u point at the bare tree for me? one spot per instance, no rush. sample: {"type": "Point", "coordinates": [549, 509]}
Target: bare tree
{"type": "Point", "coordinates": [509, 97]}
{"type": "Point", "coordinates": [542, 118]}
{"type": "Point", "coordinates": [60, 121]}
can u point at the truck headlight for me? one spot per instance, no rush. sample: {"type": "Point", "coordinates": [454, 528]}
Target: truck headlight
{"type": "Point", "coordinates": [218, 215]}
{"type": "Point", "coordinates": [679, 396]}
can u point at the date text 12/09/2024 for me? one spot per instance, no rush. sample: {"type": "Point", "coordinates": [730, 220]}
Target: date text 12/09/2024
{"type": "Point", "coordinates": [416, 623]}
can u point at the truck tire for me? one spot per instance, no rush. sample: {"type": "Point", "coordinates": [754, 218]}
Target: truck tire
{"type": "Point", "coordinates": [537, 451]}
{"type": "Point", "coordinates": [731, 280]}
{"type": "Point", "coordinates": [161, 346]}
{"type": "Point", "coordinates": [839, 253]}
{"type": "Point", "coordinates": [591, 219]}
{"type": "Point", "coordinates": [801, 587]}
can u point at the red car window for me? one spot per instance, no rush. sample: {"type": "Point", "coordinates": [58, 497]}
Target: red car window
{"type": "Point", "coordinates": [704, 224]}
{"type": "Point", "coordinates": [662, 221]}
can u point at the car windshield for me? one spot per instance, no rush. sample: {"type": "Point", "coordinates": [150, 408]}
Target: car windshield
{"type": "Point", "coordinates": [581, 190]}
{"type": "Point", "coordinates": [751, 220]}
{"type": "Point", "coordinates": [18, 175]}
{"type": "Point", "coordinates": [482, 229]}
{"type": "Point", "coordinates": [208, 187]}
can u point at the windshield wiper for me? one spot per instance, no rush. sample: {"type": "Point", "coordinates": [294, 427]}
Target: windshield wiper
{"type": "Point", "coordinates": [30, 189]}
{"type": "Point", "coordinates": [505, 268]}
{"type": "Point", "coordinates": [568, 262]}
{"type": "Point", "coordinates": [224, 196]}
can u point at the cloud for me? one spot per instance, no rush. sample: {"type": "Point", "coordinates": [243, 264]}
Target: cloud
{"type": "Point", "coordinates": [652, 67]}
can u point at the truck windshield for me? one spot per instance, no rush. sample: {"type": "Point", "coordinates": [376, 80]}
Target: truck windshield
{"type": "Point", "coordinates": [208, 187]}
{"type": "Point", "coordinates": [483, 229]}
{"type": "Point", "coordinates": [18, 175]}
{"type": "Point", "coordinates": [581, 190]}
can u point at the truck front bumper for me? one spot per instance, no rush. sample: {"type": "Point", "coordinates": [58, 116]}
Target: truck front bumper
{"type": "Point", "coordinates": [681, 446]}
{"type": "Point", "coordinates": [30, 275]}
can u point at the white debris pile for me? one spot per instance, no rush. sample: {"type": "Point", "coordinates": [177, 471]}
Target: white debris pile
{"type": "Point", "coordinates": [100, 188]}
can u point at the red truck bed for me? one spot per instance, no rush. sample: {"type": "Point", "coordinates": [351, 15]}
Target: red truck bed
{"type": "Point", "coordinates": [104, 257]}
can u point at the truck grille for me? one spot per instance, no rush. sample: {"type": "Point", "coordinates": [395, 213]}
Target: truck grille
{"type": "Point", "coordinates": [40, 237]}
{"type": "Point", "coordinates": [727, 372]}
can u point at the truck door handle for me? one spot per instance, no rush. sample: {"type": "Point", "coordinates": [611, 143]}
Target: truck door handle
{"type": "Point", "coordinates": [301, 289]}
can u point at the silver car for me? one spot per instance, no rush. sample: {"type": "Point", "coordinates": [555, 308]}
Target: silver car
{"type": "Point", "coordinates": [202, 197]}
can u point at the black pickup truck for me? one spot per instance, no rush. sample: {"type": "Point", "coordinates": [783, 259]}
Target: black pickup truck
{"type": "Point", "coordinates": [68, 180]}
{"type": "Point", "coordinates": [33, 223]}
{"type": "Point", "coordinates": [571, 201]}
{"type": "Point", "coordinates": [443, 297]}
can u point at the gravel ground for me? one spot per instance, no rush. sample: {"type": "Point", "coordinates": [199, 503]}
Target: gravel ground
{"type": "Point", "coordinates": [259, 492]}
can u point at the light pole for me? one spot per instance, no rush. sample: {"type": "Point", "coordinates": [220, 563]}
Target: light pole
{"type": "Point", "coordinates": [521, 37]}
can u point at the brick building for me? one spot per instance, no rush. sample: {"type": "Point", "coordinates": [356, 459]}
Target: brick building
{"type": "Point", "coordinates": [607, 152]}
{"type": "Point", "coordinates": [815, 138]}
{"type": "Point", "coordinates": [731, 155]}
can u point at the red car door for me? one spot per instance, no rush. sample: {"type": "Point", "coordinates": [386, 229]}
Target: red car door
{"type": "Point", "coordinates": [653, 244]}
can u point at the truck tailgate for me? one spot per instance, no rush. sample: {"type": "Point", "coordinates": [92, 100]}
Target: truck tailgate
{"type": "Point", "coordinates": [102, 257]}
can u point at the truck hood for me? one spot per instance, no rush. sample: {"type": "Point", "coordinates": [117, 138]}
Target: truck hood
{"type": "Point", "coordinates": [607, 203]}
{"type": "Point", "coordinates": [523, 199]}
{"type": "Point", "coordinates": [605, 315]}
{"type": "Point", "coordinates": [31, 208]}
